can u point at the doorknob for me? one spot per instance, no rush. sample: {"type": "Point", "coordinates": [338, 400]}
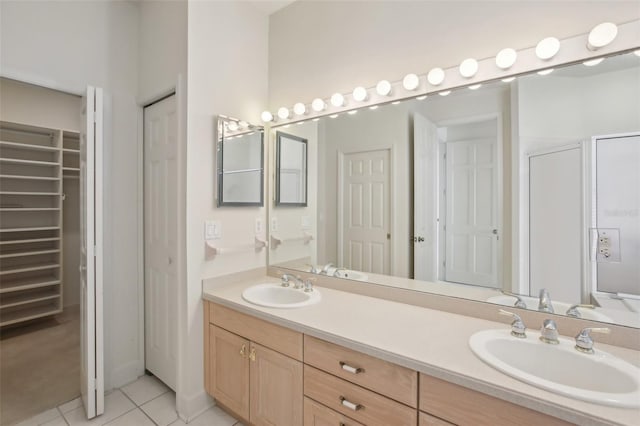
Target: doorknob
{"type": "Point", "coordinates": [495, 232]}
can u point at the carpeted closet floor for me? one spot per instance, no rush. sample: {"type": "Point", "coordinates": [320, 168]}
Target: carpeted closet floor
{"type": "Point", "coordinates": [39, 366]}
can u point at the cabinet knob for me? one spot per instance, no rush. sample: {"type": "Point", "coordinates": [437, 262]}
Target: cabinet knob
{"type": "Point", "coordinates": [252, 354]}
{"type": "Point", "coordinates": [243, 350]}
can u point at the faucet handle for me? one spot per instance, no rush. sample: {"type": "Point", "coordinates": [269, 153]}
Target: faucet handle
{"type": "Point", "coordinates": [518, 328]}
{"type": "Point", "coordinates": [519, 302]}
{"type": "Point", "coordinates": [308, 285]}
{"type": "Point", "coordinates": [574, 312]}
{"type": "Point", "coordinates": [584, 342]}
{"type": "Point", "coordinates": [549, 332]}
{"type": "Point", "coordinates": [285, 280]}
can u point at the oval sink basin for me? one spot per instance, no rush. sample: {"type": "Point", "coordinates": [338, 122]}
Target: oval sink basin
{"type": "Point", "coordinates": [351, 275]}
{"type": "Point", "coordinates": [600, 378]}
{"type": "Point", "coordinates": [273, 295]}
{"type": "Point", "coordinates": [558, 307]}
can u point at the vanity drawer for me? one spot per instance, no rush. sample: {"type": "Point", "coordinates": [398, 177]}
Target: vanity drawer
{"type": "Point", "coordinates": [444, 399]}
{"type": "Point", "coordinates": [318, 415]}
{"type": "Point", "coordinates": [356, 402]}
{"type": "Point", "coordinates": [425, 419]}
{"type": "Point", "coordinates": [392, 380]}
{"type": "Point", "coordinates": [281, 339]}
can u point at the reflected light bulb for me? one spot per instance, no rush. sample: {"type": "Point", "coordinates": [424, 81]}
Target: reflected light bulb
{"type": "Point", "coordinates": [593, 62]}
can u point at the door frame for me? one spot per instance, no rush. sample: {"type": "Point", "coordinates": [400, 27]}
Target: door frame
{"type": "Point", "coordinates": [441, 178]}
{"type": "Point", "coordinates": [340, 204]}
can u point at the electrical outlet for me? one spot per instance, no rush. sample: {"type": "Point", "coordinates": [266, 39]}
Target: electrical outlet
{"type": "Point", "coordinates": [258, 228]}
{"type": "Point", "coordinates": [274, 224]}
{"type": "Point", "coordinates": [605, 245]}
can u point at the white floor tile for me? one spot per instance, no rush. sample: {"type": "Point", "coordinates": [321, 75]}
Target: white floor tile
{"type": "Point", "coordinates": [71, 405]}
{"type": "Point", "coordinates": [144, 389]}
{"type": "Point", "coordinates": [41, 418]}
{"type": "Point", "coordinates": [58, 421]}
{"type": "Point", "coordinates": [162, 410]}
{"type": "Point", "coordinates": [132, 418]}
{"type": "Point", "coordinates": [115, 405]}
{"type": "Point", "coordinates": [214, 416]}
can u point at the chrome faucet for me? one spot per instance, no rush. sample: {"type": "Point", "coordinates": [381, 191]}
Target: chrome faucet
{"type": "Point", "coordinates": [574, 312]}
{"type": "Point", "coordinates": [518, 328]}
{"type": "Point", "coordinates": [336, 273]}
{"type": "Point", "coordinates": [286, 278]}
{"type": "Point", "coordinates": [325, 268]}
{"type": "Point", "coordinates": [308, 285]}
{"type": "Point", "coordinates": [549, 332]}
{"type": "Point", "coordinates": [544, 305]}
{"type": "Point", "coordinates": [584, 342]}
{"type": "Point", "coordinates": [519, 302]}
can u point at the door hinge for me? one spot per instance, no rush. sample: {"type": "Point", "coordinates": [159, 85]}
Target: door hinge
{"type": "Point", "coordinates": [95, 251]}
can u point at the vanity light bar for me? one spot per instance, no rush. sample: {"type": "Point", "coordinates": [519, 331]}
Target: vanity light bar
{"type": "Point", "coordinates": [507, 64]}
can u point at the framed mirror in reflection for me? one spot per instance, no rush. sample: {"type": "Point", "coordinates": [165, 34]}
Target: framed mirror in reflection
{"type": "Point", "coordinates": [291, 170]}
{"type": "Point", "coordinates": [240, 163]}
{"type": "Point", "coordinates": [523, 192]}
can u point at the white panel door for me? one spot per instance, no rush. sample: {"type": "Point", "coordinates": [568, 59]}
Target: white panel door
{"type": "Point", "coordinates": [161, 238]}
{"type": "Point", "coordinates": [91, 270]}
{"type": "Point", "coordinates": [472, 213]}
{"type": "Point", "coordinates": [365, 222]}
{"type": "Point", "coordinates": [425, 206]}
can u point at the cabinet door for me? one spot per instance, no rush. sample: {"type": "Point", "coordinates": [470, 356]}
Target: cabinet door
{"type": "Point", "coordinates": [276, 388]}
{"type": "Point", "coordinates": [229, 370]}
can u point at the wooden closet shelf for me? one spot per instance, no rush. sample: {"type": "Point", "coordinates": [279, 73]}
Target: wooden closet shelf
{"type": "Point", "coordinates": [29, 162]}
{"type": "Point", "coordinates": [20, 284]}
{"type": "Point", "coordinates": [70, 151]}
{"type": "Point", "coordinates": [28, 193]}
{"type": "Point", "coordinates": [21, 177]}
{"type": "Point", "coordinates": [17, 299]}
{"type": "Point", "coordinates": [30, 268]}
{"type": "Point", "coordinates": [28, 209]}
{"type": "Point", "coordinates": [29, 241]}
{"type": "Point", "coordinates": [71, 169]}
{"type": "Point", "coordinates": [28, 314]}
{"type": "Point", "coordinates": [28, 146]}
{"type": "Point", "coordinates": [35, 228]}
{"type": "Point", "coordinates": [21, 253]}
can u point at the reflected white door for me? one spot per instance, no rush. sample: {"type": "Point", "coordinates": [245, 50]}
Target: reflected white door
{"type": "Point", "coordinates": [91, 270]}
{"type": "Point", "coordinates": [425, 206]}
{"type": "Point", "coordinates": [472, 212]}
{"type": "Point", "coordinates": [365, 219]}
{"type": "Point", "coordinates": [161, 238]}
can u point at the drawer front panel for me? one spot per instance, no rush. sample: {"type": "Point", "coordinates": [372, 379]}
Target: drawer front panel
{"type": "Point", "coordinates": [391, 380]}
{"type": "Point", "coordinates": [272, 336]}
{"type": "Point", "coordinates": [316, 414]}
{"type": "Point", "coordinates": [428, 420]}
{"type": "Point", "coordinates": [356, 402]}
{"type": "Point", "coordinates": [444, 399]}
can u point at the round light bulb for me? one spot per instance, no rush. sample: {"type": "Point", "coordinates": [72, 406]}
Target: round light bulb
{"type": "Point", "coordinates": [299, 109]}
{"type": "Point", "coordinates": [318, 105]}
{"type": "Point", "coordinates": [337, 100]}
{"type": "Point", "coordinates": [508, 79]}
{"type": "Point", "coordinates": [602, 35]}
{"type": "Point", "coordinates": [636, 52]}
{"type": "Point", "coordinates": [352, 112]}
{"type": "Point", "coordinates": [593, 62]}
{"type": "Point", "coordinates": [435, 76]}
{"type": "Point", "coordinates": [468, 68]}
{"type": "Point", "coordinates": [547, 48]}
{"type": "Point", "coordinates": [506, 58]}
{"type": "Point", "coordinates": [475, 86]}
{"type": "Point", "coordinates": [546, 72]}
{"type": "Point", "coordinates": [422, 98]}
{"type": "Point", "coordinates": [383, 88]}
{"type": "Point", "coordinates": [445, 93]}
{"type": "Point", "coordinates": [411, 82]}
{"type": "Point", "coordinates": [233, 126]}
{"type": "Point", "coordinates": [266, 116]}
{"type": "Point", "coordinates": [283, 113]}
{"type": "Point", "coordinates": [360, 94]}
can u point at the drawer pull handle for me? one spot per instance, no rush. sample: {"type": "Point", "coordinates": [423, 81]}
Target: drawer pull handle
{"type": "Point", "coordinates": [350, 369]}
{"type": "Point", "coordinates": [350, 405]}
{"type": "Point", "coordinates": [243, 350]}
{"type": "Point", "coordinates": [252, 354]}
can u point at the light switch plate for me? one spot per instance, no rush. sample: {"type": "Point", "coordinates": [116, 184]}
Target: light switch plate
{"type": "Point", "coordinates": [258, 228]}
{"type": "Point", "coordinates": [212, 230]}
{"type": "Point", "coordinates": [274, 224]}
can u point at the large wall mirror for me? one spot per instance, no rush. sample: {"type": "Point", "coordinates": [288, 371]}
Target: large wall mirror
{"type": "Point", "coordinates": [494, 194]}
{"type": "Point", "coordinates": [240, 163]}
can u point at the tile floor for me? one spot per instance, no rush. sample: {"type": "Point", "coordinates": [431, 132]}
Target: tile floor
{"type": "Point", "coordinates": [145, 402]}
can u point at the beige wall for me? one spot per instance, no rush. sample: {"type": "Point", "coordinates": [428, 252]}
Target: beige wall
{"type": "Point", "coordinates": [319, 47]}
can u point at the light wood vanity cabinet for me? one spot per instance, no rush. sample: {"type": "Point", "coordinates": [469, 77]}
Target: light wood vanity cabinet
{"type": "Point", "coordinates": [255, 369]}
{"type": "Point", "coordinates": [256, 382]}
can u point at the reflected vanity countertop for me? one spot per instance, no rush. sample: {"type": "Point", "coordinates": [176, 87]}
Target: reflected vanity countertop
{"type": "Point", "coordinates": [430, 341]}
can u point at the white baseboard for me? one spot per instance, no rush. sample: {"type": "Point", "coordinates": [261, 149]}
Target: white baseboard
{"type": "Point", "coordinates": [190, 407]}
{"type": "Point", "coordinates": [124, 374]}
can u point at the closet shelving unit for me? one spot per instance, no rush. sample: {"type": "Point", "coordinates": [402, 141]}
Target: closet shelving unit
{"type": "Point", "coordinates": [33, 161]}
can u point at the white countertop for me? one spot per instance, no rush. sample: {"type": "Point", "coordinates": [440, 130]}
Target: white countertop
{"type": "Point", "coordinates": [432, 342]}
